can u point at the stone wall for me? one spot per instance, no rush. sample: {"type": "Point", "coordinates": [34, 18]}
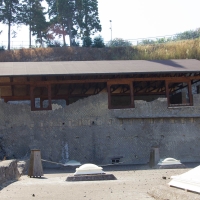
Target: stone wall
{"type": "Point", "coordinates": [88, 131]}
{"type": "Point", "coordinates": [8, 171]}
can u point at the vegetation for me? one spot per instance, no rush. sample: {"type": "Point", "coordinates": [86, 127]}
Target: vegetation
{"type": "Point", "coordinates": [185, 49]}
{"type": "Point", "coordinates": [62, 15]}
{"type": "Point", "coordinates": [33, 15]}
{"type": "Point", "coordinates": [75, 18]}
{"type": "Point", "coordinates": [9, 14]}
{"type": "Point", "coordinates": [98, 42]}
{"type": "Point", "coordinates": [87, 18]}
{"type": "Point", "coordinates": [87, 41]}
{"type": "Point", "coordinates": [119, 42]}
{"type": "Point", "coordinates": [187, 35]}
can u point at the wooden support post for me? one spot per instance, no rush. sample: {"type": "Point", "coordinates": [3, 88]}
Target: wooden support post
{"type": "Point", "coordinates": [167, 92]}
{"type": "Point", "coordinates": [190, 93]}
{"type": "Point", "coordinates": [154, 157]}
{"type": "Point", "coordinates": [41, 103]}
{"type": "Point", "coordinates": [67, 101]}
{"type": "Point", "coordinates": [32, 98]}
{"type": "Point", "coordinates": [132, 95]}
{"type": "Point", "coordinates": [12, 86]}
{"type": "Point", "coordinates": [35, 166]}
{"type": "Point", "coordinates": [49, 97]}
{"type": "Point", "coordinates": [109, 96]}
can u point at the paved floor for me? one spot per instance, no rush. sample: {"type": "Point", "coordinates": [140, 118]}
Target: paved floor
{"type": "Point", "coordinates": [133, 182]}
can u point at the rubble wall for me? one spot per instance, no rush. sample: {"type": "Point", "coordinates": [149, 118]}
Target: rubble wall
{"type": "Point", "coordinates": [8, 171]}
{"type": "Point", "coordinates": [88, 131]}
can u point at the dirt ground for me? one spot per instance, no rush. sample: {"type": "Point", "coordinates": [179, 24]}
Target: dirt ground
{"type": "Point", "coordinates": [133, 182]}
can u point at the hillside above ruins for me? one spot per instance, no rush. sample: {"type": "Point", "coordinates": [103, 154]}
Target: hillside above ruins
{"type": "Point", "coordinates": [185, 49]}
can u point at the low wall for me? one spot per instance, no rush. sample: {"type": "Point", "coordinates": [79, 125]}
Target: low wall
{"type": "Point", "coordinates": [87, 131]}
{"type": "Point", "coordinates": [8, 171]}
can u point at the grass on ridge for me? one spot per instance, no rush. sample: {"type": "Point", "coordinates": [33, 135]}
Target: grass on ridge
{"type": "Point", "coordinates": [185, 49]}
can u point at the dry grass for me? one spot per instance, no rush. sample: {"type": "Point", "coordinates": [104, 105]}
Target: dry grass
{"type": "Point", "coordinates": [175, 50]}
{"type": "Point", "coordinates": [186, 49]}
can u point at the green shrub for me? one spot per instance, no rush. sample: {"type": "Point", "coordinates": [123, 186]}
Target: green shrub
{"type": "Point", "coordinates": [98, 42]}
{"type": "Point", "coordinates": [87, 41]}
{"type": "Point", "coordinates": [119, 42]}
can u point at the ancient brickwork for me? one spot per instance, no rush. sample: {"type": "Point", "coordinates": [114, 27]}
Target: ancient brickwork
{"type": "Point", "coordinates": [88, 131]}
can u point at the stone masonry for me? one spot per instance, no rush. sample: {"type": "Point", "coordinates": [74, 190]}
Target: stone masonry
{"type": "Point", "coordinates": [8, 171]}
{"type": "Point", "coordinates": [87, 131]}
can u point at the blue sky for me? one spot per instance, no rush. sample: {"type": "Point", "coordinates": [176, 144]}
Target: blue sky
{"type": "Point", "coordinates": [133, 19]}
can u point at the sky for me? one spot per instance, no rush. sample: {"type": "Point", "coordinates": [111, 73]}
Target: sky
{"type": "Point", "coordinates": [133, 19]}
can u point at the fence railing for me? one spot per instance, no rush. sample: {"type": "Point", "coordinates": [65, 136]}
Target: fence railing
{"type": "Point", "coordinates": [135, 42]}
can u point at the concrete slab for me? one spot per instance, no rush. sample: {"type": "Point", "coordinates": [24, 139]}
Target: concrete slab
{"type": "Point", "coordinates": [133, 182]}
{"type": "Point", "coordinates": [187, 181]}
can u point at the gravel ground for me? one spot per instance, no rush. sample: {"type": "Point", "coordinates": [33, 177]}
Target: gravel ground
{"type": "Point", "coordinates": [133, 182]}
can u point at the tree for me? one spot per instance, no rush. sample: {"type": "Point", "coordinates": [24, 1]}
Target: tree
{"type": "Point", "coordinates": [87, 41]}
{"type": "Point", "coordinates": [33, 15]}
{"type": "Point", "coordinates": [58, 30]}
{"type": "Point", "coordinates": [119, 42]}
{"type": "Point", "coordinates": [98, 42]}
{"type": "Point", "coordinates": [76, 18]}
{"type": "Point", "coordinates": [146, 42]}
{"type": "Point", "coordinates": [62, 15]}
{"type": "Point", "coordinates": [9, 14]}
{"type": "Point", "coordinates": [40, 25]}
{"type": "Point", "coordinates": [87, 19]}
{"type": "Point", "coordinates": [192, 34]}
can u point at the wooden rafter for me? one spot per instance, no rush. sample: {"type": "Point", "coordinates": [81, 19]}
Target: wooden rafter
{"type": "Point", "coordinates": [103, 80]}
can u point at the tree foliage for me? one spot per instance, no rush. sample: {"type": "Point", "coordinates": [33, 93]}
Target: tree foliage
{"type": "Point", "coordinates": [186, 35]}
{"type": "Point", "coordinates": [192, 34]}
{"type": "Point", "coordinates": [119, 42]}
{"type": "Point", "coordinates": [87, 41]}
{"type": "Point", "coordinates": [62, 15]}
{"type": "Point", "coordinates": [40, 25]}
{"type": "Point", "coordinates": [9, 14]}
{"type": "Point", "coordinates": [75, 18]}
{"type": "Point", "coordinates": [33, 15]}
{"type": "Point", "coordinates": [98, 42]}
{"type": "Point", "coordinates": [87, 19]}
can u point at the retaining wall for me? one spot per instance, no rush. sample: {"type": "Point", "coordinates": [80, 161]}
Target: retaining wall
{"type": "Point", "coordinates": [88, 131]}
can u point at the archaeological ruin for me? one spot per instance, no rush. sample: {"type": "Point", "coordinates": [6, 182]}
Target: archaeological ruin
{"type": "Point", "coordinates": [100, 112]}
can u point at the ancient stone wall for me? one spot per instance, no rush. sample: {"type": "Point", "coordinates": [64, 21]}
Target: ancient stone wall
{"type": "Point", "coordinates": [88, 131]}
{"type": "Point", "coordinates": [8, 171]}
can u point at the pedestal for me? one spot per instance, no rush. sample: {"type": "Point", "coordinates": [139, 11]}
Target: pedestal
{"type": "Point", "coordinates": [35, 167]}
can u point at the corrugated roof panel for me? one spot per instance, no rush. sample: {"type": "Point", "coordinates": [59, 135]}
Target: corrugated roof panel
{"type": "Point", "coordinates": [98, 67]}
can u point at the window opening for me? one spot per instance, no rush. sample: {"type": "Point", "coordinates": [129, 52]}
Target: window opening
{"type": "Point", "coordinates": [179, 94]}
{"type": "Point", "coordinates": [41, 98]}
{"type": "Point", "coordinates": [116, 160]}
{"type": "Point", "coordinates": [149, 90]}
{"type": "Point", "coordinates": [120, 96]}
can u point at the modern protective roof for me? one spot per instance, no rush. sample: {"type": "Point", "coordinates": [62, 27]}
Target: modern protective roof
{"type": "Point", "coordinates": [98, 67]}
